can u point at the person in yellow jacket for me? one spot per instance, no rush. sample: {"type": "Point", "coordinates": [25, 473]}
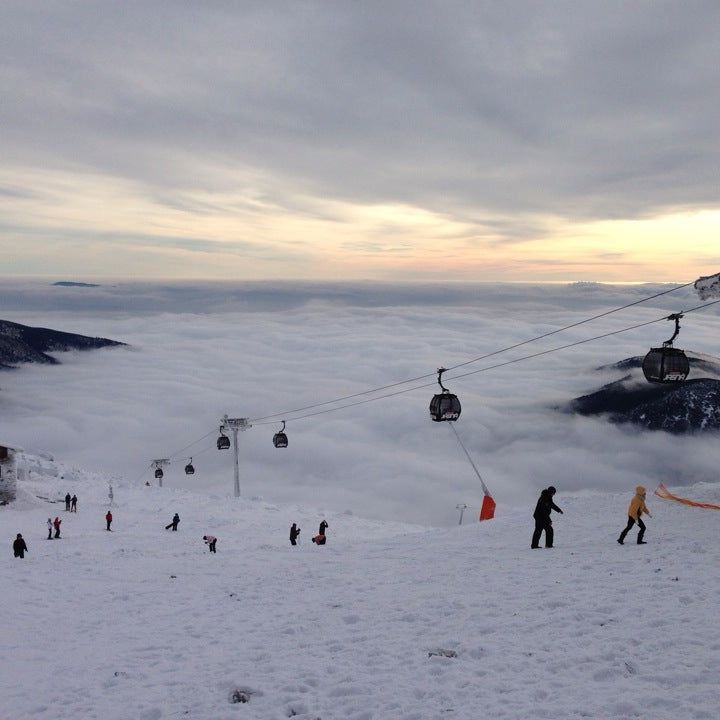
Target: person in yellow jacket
{"type": "Point", "coordinates": [635, 511]}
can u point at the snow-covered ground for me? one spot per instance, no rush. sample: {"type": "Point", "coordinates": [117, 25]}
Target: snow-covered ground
{"type": "Point", "coordinates": [144, 624]}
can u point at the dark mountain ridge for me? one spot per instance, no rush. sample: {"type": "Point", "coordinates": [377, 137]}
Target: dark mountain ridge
{"type": "Point", "coordinates": [24, 344]}
{"type": "Point", "coordinates": [692, 406]}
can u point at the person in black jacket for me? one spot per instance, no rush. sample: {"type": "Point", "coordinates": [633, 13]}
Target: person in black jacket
{"type": "Point", "coordinates": [67, 501]}
{"type": "Point", "coordinates": [543, 508]}
{"type": "Point", "coordinates": [19, 546]}
{"type": "Point", "coordinates": [323, 528]}
{"type": "Point", "coordinates": [294, 532]}
{"type": "Point", "coordinates": [174, 523]}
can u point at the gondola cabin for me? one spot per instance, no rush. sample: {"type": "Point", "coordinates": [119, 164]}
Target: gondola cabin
{"type": "Point", "coordinates": [665, 365]}
{"type": "Point", "coordinates": [159, 474]}
{"type": "Point", "coordinates": [280, 439]}
{"type": "Point", "coordinates": [444, 407]}
{"type": "Point", "coordinates": [189, 469]}
{"type": "Point", "coordinates": [223, 442]}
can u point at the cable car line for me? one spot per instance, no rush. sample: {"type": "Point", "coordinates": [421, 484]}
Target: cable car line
{"type": "Point", "coordinates": [491, 367]}
{"type": "Point", "coordinates": [371, 391]}
{"type": "Point", "coordinates": [266, 419]}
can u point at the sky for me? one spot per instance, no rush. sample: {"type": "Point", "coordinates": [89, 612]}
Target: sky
{"type": "Point", "coordinates": [404, 141]}
{"type": "Point", "coordinates": [200, 350]}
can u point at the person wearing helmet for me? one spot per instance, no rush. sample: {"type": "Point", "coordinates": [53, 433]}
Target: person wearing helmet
{"type": "Point", "coordinates": [635, 511]}
{"type": "Point", "coordinates": [543, 508]}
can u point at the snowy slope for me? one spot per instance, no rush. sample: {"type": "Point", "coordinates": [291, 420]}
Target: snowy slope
{"type": "Point", "coordinates": [144, 623]}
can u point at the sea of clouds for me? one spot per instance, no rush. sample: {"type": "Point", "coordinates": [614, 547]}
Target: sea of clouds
{"type": "Point", "coordinates": [200, 350]}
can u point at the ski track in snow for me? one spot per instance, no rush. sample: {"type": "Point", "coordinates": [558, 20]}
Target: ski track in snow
{"type": "Point", "coordinates": [96, 626]}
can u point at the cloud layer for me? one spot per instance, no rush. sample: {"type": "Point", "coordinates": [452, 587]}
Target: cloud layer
{"type": "Point", "coordinates": [199, 351]}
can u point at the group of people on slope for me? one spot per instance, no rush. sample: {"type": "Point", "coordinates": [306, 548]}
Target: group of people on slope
{"type": "Point", "coordinates": [71, 503]}
{"type": "Point", "coordinates": [543, 524]}
{"type": "Point", "coordinates": [545, 506]}
{"type": "Point", "coordinates": [319, 539]}
{"type": "Point", "coordinates": [53, 524]}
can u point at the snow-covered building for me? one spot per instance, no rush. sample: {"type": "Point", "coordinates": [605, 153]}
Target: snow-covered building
{"type": "Point", "coordinates": [8, 474]}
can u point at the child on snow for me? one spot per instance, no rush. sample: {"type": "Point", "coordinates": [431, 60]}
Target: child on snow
{"type": "Point", "coordinates": [635, 511]}
{"type": "Point", "coordinates": [19, 546]}
{"type": "Point", "coordinates": [210, 540]}
{"type": "Point", "coordinates": [320, 538]}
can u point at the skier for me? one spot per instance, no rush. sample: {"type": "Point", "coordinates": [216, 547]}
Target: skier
{"type": "Point", "coordinates": [56, 524]}
{"type": "Point", "coordinates": [294, 532]}
{"type": "Point", "coordinates": [543, 508]}
{"type": "Point", "coordinates": [73, 503]}
{"type": "Point", "coordinates": [174, 523]}
{"type": "Point", "coordinates": [108, 520]}
{"type": "Point", "coordinates": [210, 540]}
{"type": "Point", "coordinates": [636, 509]}
{"type": "Point", "coordinates": [67, 501]}
{"type": "Point", "coordinates": [19, 546]}
{"type": "Point", "coordinates": [50, 528]}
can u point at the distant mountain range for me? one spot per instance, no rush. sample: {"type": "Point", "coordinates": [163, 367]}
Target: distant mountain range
{"type": "Point", "coordinates": [680, 408]}
{"type": "Point", "coordinates": [68, 283]}
{"type": "Point", "coordinates": [24, 344]}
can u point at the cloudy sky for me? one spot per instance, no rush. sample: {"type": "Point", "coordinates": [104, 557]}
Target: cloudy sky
{"type": "Point", "coordinates": [390, 141]}
{"type": "Point", "coordinates": [199, 351]}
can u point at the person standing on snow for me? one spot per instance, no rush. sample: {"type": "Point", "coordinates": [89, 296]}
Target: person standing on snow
{"type": "Point", "coordinates": [543, 508]}
{"type": "Point", "coordinates": [294, 532]}
{"type": "Point", "coordinates": [108, 520]}
{"type": "Point", "coordinates": [174, 523]}
{"type": "Point", "coordinates": [636, 509]}
{"type": "Point", "coordinates": [210, 540]}
{"type": "Point", "coordinates": [19, 546]}
{"type": "Point", "coordinates": [323, 528]}
{"type": "Point", "coordinates": [56, 524]}
{"type": "Point", "coordinates": [73, 503]}
{"type": "Point", "coordinates": [67, 501]}
{"type": "Point", "coordinates": [50, 528]}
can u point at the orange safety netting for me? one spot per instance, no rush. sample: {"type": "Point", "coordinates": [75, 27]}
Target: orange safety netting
{"type": "Point", "coordinates": [662, 492]}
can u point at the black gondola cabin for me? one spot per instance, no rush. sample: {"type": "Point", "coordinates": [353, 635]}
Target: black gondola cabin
{"type": "Point", "coordinates": [280, 438]}
{"type": "Point", "coordinates": [444, 407]}
{"type": "Point", "coordinates": [667, 364]}
{"type": "Point", "coordinates": [223, 442]}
